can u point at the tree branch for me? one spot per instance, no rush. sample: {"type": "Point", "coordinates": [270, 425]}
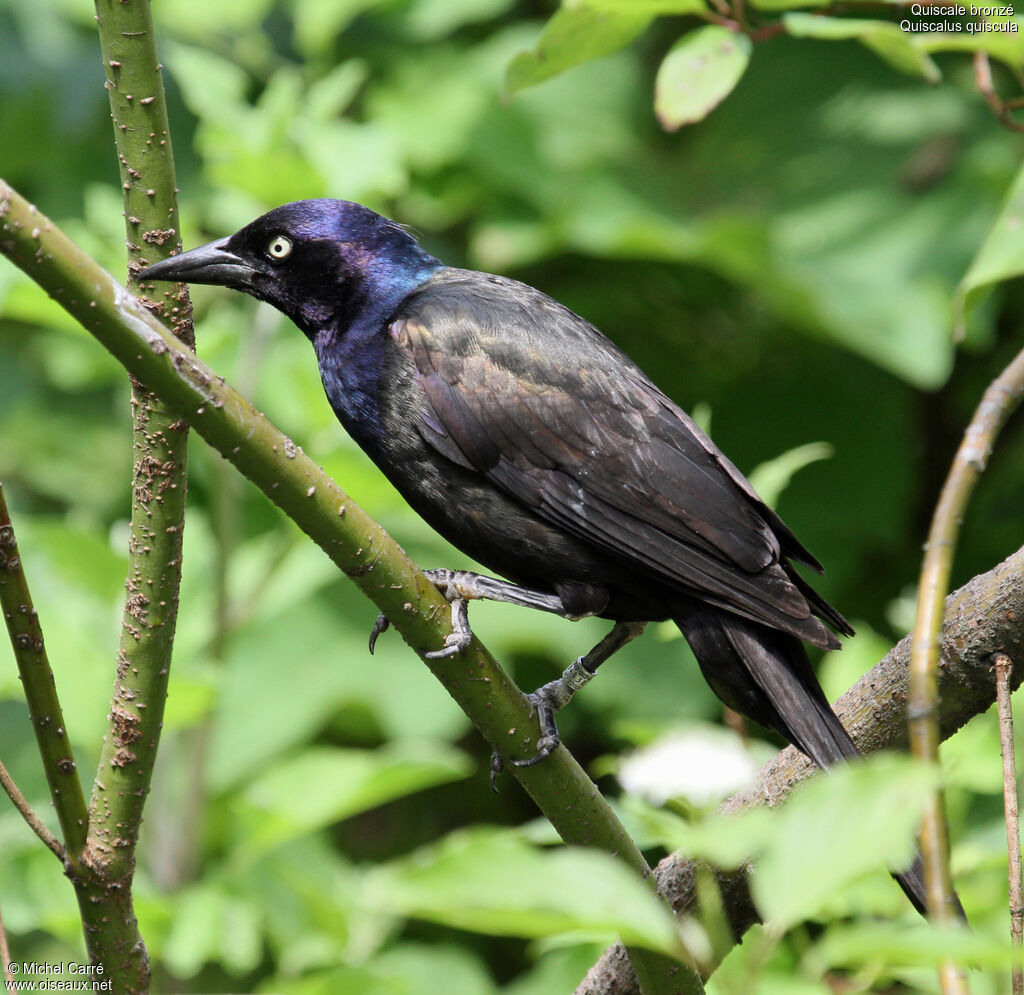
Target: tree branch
{"type": "Point", "coordinates": [159, 440]}
{"type": "Point", "coordinates": [5, 959]}
{"type": "Point", "coordinates": [1003, 667]}
{"type": "Point", "coordinates": [983, 617]}
{"type": "Point", "coordinates": [1003, 109]}
{"type": "Point", "coordinates": [999, 401]}
{"type": "Point", "coordinates": [43, 704]}
{"type": "Point", "coordinates": [357, 544]}
{"type": "Point", "coordinates": [29, 814]}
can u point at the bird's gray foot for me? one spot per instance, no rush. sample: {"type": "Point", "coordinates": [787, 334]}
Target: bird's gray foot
{"type": "Point", "coordinates": [461, 635]}
{"type": "Point", "coordinates": [462, 586]}
{"type": "Point", "coordinates": [547, 700]}
{"type": "Point", "coordinates": [455, 642]}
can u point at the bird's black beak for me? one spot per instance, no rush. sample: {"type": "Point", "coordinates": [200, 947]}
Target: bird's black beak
{"type": "Point", "coordinates": [213, 263]}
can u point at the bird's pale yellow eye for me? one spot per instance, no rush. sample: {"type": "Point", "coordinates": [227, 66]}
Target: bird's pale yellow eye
{"type": "Point", "coordinates": [279, 248]}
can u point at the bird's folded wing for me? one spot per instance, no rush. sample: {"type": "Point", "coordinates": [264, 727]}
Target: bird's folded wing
{"type": "Point", "coordinates": [570, 428]}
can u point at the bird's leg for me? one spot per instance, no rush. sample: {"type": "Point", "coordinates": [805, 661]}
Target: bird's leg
{"type": "Point", "coordinates": [471, 586]}
{"type": "Point", "coordinates": [462, 586]}
{"type": "Point", "coordinates": [547, 700]}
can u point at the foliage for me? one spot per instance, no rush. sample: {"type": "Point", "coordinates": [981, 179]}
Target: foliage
{"type": "Point", "coordinates": [797, 260]}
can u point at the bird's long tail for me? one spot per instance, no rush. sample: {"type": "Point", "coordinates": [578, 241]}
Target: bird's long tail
{"type": "Point", "coordinates": [767, 676]}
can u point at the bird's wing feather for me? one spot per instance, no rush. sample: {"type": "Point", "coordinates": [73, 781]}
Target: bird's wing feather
{"type": "Point", "coordinates": [527, 393]}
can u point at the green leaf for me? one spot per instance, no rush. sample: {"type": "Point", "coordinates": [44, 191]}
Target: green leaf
{"type": "Point", "coordinates": [193, 938]}
{"type": "Point", "coordinates": [725, 841]}
{"type": "Point", "coordinates": [430, 20]}
{"type": "Point", "coordinates": [192, 700]}
{"type": "Point", "coordinates": [256, 724]}
{"type": "Point", "coordinates": [652, 7]}
{"type": "Point", "coordinates": [1000, 257]}
{"type": "Point", "coordinates": [212, 925]}
{"type": "Point", "coordinates": [834, 830]}
{"type": "Point", "coordinates": [772, 477]}
{"type": "Point", "coordinates": [213, 87]}
{"type": "Point", "coordinates": [967, 758]}
{"type": "Point", "coordinates": [913, 943]}
{"type": "Point", "coordinates": [698, 73]}
{"type": "Point", "coordinates": [573, 35]}
{"type": "Point", "coordinates": [201, 20]}
{"type": "Point", "coordinates": [885, 39]}
{"type": "Point", "coordinates": [323, 785]}
{"type": "Point", "coordinates": [317, 24]}
{"type": "Point", "coordinates": [761, 965]}
{"type": "Point", "coordinates": [403, 969]}
{"type": "Point", "coordinates": [83, 559]}
{"type": "Point", "coordinates": [329, 96]}
{"type": "Point", "coordinates": [788, 4]}
{"type": "Point", "coordinates": [698, 763]}
{"type": "Point", "coordinates": [491, 881]}
{"type": "Point", "coordinates": [447, 968]}
{"type": "Point", "coordinates": [838, 828]}
{"type": "Point", "coordinates": [241, 939]}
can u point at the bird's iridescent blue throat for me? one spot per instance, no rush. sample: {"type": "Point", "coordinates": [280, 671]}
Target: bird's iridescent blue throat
{"type": "Point", "coordinates": [338, 270]}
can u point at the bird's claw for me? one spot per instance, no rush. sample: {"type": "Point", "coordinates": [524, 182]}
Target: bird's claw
{"type": "Point", "coordinates": [461, 635]}
{"type": "Point", "coordinates": [547, 700]}
{"type": "Point", "coordinates": [497, 766]}
{"type": "Point", "coordinates": [446, 581]}
{"type": "Point", "coordinates": [546, 745]}
{"type": "Point", "coordinates": [544, 702]}
{"type": "Point", "coordinates": [455, 642]}
{"type": "Point", "coordinates": [380, 626]}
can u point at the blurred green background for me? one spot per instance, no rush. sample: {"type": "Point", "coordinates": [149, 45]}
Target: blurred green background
{"type": "Point", "coordinates": [787, 266]}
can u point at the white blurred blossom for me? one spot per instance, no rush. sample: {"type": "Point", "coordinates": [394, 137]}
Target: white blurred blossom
{"type": "Point", "coordinates": [701, 763]}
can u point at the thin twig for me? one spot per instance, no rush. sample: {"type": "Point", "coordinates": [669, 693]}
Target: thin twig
{"type": "Point", "coordinates": [1000, 399]}
{"type": "Point", "coordinates": [1003, 109]}
{"type": "Point", "coordinates": [41, 693]}
{"type": "Point", "coordinates": [5, 959]}
{"type": "Point", "coordinates": [29, 814]}
{"type": "Point", "coordinates": [1003, 666]}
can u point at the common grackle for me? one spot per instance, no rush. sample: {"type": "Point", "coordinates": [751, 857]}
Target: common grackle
{"type": "Point", "coordinates": [526, 438]}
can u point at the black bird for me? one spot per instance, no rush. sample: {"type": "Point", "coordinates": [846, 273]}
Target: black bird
{"type": "Point", "coordinates": [531, 442]}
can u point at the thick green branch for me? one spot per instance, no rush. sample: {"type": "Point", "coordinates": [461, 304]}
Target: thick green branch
{"type": "Point", "coordinates": [159, 441]}
{"type": "Point", "coordinates": [159, 449]}
{"type": "Point", "coordinates": [41, 696]}
{"type": "Point", "coordinates": [327, 515]}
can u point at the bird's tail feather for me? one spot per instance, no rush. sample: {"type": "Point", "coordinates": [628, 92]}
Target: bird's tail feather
{"type": "Point", "coordinates": [767, 676]}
